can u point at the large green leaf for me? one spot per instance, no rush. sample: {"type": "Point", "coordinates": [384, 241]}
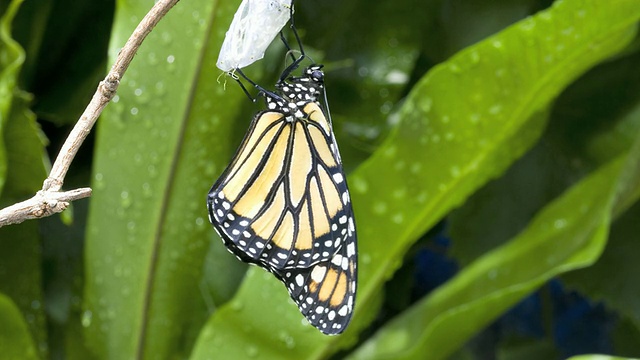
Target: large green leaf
{"type": "Point", "coordinates": [569, 233]}
{"type": "Point", "coordinates": [612, 278]}
{"type": "Point", "coordinates": [15, 341]}
{"type": "Point", "coordinates": [594, 120]}
{"type": "Point", "coordinates": [160, 145]}
{"type": "Point", "coordinates": [599, 357]}
{"type": "Point", "coordinates": [20, 248]}
{"type": "Point", "coordinates": [20, 137]}
{"type": "Point", "coordinates": [462, 124]}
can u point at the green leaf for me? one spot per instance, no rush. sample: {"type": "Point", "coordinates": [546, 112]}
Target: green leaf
{"type": "Point", "coordinates": [612, 278]}
{"type": "Point", "coordinates": [20, 248]}
{"type": "Point", "coordinates": [169, 132]}
{"type": "Point", "coordinates": [593, 121]}
{"type": "Point", "coordinates": [569, 233]}
{"type": "Point", "coordinates": [599, 357]}
{"type": "Point", "coordinates": [24, 160]}
{"type": "Point", "coordinates": [26, 157]}
{"type": "Point", "coordinates": [15, 341]}
{"type": "Point", "coordinates": [11, 59]}
{"type": "Point", "coordinates": [462, 125]}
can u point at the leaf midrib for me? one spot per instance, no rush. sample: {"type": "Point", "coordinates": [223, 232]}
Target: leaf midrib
{"type": "Point", "coordinates": [164, 208]}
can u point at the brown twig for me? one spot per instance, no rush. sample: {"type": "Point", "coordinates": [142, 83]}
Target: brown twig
{"type": "Point", "coordinates": [50, 200]}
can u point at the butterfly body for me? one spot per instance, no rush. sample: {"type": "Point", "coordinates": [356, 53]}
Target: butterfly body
{"type": "Point", "coordinates": [283, 203]}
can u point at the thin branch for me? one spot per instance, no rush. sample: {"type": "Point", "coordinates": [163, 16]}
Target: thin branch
{"type": "Point", "coordinates": [50, 200]}
{"type": "Point", "coordinates": [43, 204]}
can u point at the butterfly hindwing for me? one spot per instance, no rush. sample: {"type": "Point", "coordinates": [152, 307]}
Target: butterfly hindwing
{"type": "Point", "coordinates": [325, 293]}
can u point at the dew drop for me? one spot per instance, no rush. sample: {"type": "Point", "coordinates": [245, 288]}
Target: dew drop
{"type": "Point", "coordinates": [560, 224]}
{"type": "Point", "coordinates": [398, 218]}
{"type": "Point", "coordinates": [492, 274]}
{"type": "Point", "coordinates": [527, 25]}
{"type": "Point", "coordinates": [380, 208]}
{"type": "Point", "coordinates": [87, 317]}
{"type": "Point", "coordinates": [160, 88]}
{"type": "Point", "coordinates": [236, 306]}
{"type": "Point", "coordinates": [252, 351]}
{"type": "Point", "coordinates": [146, 190]}
{"type": "Point", "coordinates": [360, 185]}
{"type": "Point", "coordinates": [426, 104]}
{"type": "Point", "coordinates": [125, 200]}
{"type": "Point", "coordinates": [474, 57]}
{"type": "Point", "coordinates": [495, 109]}
{"type": "Point", "coordinates": [399, 193]}
{"type": "Point", "coordinates": [390, 151]}
{"type": "Point", "coordinates": [166, 37]}
{"type": "Point", "coordinates": [152, 59]}
{"type": "Point", "coordinates": [397, 77]}
{"type": "Point", "coordinates": [98, 181]}
{"type": "Point", "coordinates": [455, 68]}
{"type": "Point", "coordinates": [287, 339]}
{"type": "Point", "coordinates": [363, 71]}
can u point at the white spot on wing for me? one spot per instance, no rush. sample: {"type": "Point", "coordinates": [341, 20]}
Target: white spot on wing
{"type": "Point", "coordinates": [318, 273]}
{"type": "Point", "coordinates": [351, 249]}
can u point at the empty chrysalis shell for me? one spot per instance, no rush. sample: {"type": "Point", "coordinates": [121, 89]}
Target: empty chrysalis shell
{"type": "Point", "coordinates": [254, 26]}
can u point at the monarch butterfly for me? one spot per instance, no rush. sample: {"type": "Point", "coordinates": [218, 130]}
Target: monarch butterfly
{"type": "Point", "coordinates": [283, 202]}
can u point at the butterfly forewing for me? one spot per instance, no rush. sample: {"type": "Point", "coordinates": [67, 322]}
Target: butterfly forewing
{"type": "Point", "coordinates": [283, 201]}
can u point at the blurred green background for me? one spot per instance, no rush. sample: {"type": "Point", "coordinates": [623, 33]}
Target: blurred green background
{"type": "Point", "coordinates": [492, 154]}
